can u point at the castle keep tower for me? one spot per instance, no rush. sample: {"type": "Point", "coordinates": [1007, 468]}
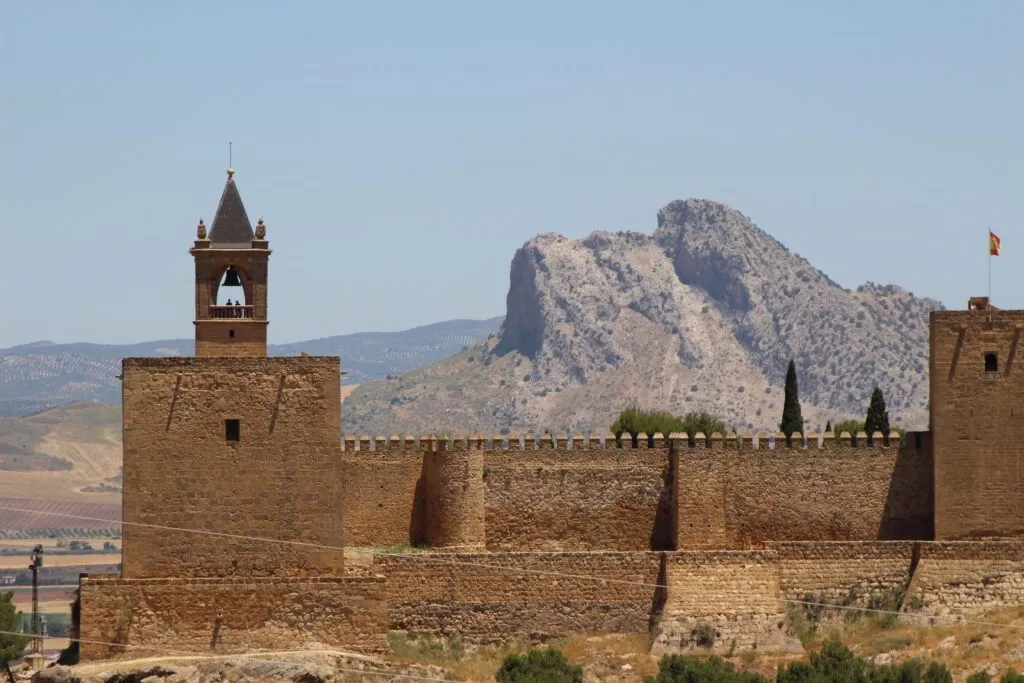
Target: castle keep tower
{"type": "Point", "coordinates": [236, 258]}
{"type": "Point", "coordinates": [977, 421]}
{"type": "Point", "coordinates": [232, 495]}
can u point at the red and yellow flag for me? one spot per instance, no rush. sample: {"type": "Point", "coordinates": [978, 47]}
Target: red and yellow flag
{"type": "Point", "coordinates": [994, 245]}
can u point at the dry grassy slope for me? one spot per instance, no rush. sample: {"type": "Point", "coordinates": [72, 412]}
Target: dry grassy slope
{"type": "Point", "coordinates": [86, 435]}
{"type": "Point", "coordinates": [703, 314]}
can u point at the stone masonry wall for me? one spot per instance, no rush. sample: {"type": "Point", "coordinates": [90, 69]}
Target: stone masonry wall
{"type": "Point", "coordinates": [482, 597]}
{"type": "Point", "coordinates": [523, 495]}
{"type": "Point", "coordinates": [737, 493]}
{"type": "Point", "coordinates": [968, 577]}
{"type": "Point", "coordinates": [230, 615]}
{"type": "Point", "coordinates": [979, 440]}
{"type": "Point", "coordinates": [578, 499]}
{"type": "Point", "coordinates": [843, 572]}
{"type": "Point", "coordinates": [723, 600]}
{"type": "Point", "coordinates": [579, 494]}
{"type": "Point", "coordinates": [383, 495]}
{"type": "Point", "coordinates": [281, 480]}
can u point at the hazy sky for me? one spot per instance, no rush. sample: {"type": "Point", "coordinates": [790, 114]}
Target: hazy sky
{"type": "Point", "coordinates": [400, 152]}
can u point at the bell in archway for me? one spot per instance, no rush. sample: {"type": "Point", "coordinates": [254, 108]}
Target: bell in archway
{"type": "Point", "coordinates": [231, 278]}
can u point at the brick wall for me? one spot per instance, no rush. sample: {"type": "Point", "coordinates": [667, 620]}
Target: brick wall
{"type": "Point", "coordinates": [730, 494]}
{"type": "Point", "coordinates": [481, 597]}
{"type": "Point", "coordinates": [979, 441]}
{"type": "Point", "coordinates": [281, 480]}
{"type": "Point", "coordinates": [583, 498]}
{"type": "Point", "coordinates": [230, 615]}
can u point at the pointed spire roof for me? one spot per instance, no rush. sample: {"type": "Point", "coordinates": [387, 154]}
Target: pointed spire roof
{"type": "Point", "coordinates": [231, 224]}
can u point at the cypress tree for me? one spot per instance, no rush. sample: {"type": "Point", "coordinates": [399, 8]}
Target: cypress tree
{"type": "Point", "coordinates": [792, 420]}
{"type": "Point", "coordinates": [828, 425]}
{"type": "Point", "coordinates": [877, 419]}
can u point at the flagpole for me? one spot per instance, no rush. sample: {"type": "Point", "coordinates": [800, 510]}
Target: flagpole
{"type": "Point", "coordinates": [989, 245]}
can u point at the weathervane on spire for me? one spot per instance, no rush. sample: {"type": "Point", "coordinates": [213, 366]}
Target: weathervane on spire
{"type": "Point", "coordinates": [231, 170]}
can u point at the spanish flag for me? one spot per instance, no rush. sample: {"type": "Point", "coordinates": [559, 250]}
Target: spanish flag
{"type": "Point", "coordinates": [993, 244]}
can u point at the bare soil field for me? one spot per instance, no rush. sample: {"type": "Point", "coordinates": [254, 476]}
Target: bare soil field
{"type": "Point", "coordinates": [8, 562]}
{"type": "Point", "coordinates": [52, 599]}
{"type": "Point", "coordinates": [44, 515]}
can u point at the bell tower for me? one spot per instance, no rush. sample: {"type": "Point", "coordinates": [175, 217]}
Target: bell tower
{"type": "Point", "coordinates": [231, 262]}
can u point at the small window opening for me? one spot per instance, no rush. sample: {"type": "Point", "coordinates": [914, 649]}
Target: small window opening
{"type": "Point", "coordinates": [232, 430]}
{"type": "Point", "coordinates": [991, 362]}
{"type": "Point", "coordinates": [231, 333]}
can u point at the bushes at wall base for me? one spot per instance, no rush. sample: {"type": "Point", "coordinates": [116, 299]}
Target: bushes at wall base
{"type": "Point", "coordinates": [689, 669]}
{"type": "Point", "coordinates": [539, 666]}
{"type": "Point", "coordinates": [834, 662]}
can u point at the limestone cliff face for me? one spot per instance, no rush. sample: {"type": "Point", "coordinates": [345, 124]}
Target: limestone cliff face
{"type": "Point", "coordinates": [702, 315]}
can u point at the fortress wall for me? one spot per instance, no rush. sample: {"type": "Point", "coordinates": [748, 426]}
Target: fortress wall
{"type": "Point", "coordinates": [739, 493]}
{"type": "Point", "coordinates": [579, 498]}
{"type": "Point", "coordinates": [230, 615]}
{"type": "Point", "coordinates": [482, 597]}
{"type": "Point", "coordinates": [455, 495]}
{"type": "Point", "coordinates": [725, 600]}
{"type": "Point", "coordinates": [843, 572]}
{"type": "Point", "coordinates": [383, 494]}
{"type": "Point", "coordinates": [280, 480]}
{"type": "Point", "coordinates": [968, 577]}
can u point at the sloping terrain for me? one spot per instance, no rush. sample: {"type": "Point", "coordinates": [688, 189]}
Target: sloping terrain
{"type": "Point", "coordinates": [71, 453]}
{"type": "Point", "coordinates": [704, 314]}
{"type": "Point", "coordinates": [34, 377]}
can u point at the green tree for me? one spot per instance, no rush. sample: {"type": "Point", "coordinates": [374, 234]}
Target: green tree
{"type": "Point", "coordinates": [792, 420]}
{"type": "Point", "coordinates": [877, 419]}
{"type": "Point", "coordinates": [851, 426]}
{"type": "Point", "coordinates": [11, 646]}
{"type": "Point", "coordinates": [634, 421]}
{"type": "Point", "coordinates": [828, 425]}
{"type": "Point", "coordinates": [684, 669]}
{"type": "Point", "coordinates": [539, 666]}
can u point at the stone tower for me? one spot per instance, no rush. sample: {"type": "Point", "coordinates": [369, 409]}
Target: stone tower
{"type": "Point", "coordinates": [976, 390]}
{"type": "Point", "coordinates": [235, 257]}
{"type": "Point", "coordinates": [231, 439]}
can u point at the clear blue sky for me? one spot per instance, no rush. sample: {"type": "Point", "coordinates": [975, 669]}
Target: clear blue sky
{"type": "Point", "coordinates": [400, 152]}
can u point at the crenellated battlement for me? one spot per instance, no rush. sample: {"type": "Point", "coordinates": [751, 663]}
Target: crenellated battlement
{"type": "Point", "coordinates": [678, 441]}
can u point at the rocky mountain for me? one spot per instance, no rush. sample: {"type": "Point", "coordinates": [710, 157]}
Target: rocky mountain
{"type": "Point", "coordinates": [37, 376]}
{"type": "Point", "coordinates": [703, 314]}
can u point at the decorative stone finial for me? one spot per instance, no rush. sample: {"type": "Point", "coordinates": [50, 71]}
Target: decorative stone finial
{"type": "Point", "coordinates": [261, 229]}
{"type": "Point", "coordinates": [231, 173]}
{"type": "Point", "coordinates": [201, 230]}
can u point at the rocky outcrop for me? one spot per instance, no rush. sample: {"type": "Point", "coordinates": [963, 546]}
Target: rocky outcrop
{"type": "Point", "coordinates": [703, 314]}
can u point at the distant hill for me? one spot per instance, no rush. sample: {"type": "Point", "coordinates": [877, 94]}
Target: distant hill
{"type": "Point", "coordinates": [41, 375]}
{"type": "Point", "coordinates": [703, 314]}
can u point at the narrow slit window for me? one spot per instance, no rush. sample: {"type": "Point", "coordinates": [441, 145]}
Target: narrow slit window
{"type": "Point", "coordinates": [231, 333]}
{"type": "Point", "coordinates": [991, 362]}
{"type": "Point", "coordinates": [232, 430]}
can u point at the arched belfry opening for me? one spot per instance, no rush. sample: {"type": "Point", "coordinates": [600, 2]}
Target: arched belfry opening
{"type": "Point", "coordinates": [231, 281]}
{"type": "Point", "coordinates": [231, 295]}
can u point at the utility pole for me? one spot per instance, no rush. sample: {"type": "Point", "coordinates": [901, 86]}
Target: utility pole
{"type": "Point", "coordinates": [37, 626]}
